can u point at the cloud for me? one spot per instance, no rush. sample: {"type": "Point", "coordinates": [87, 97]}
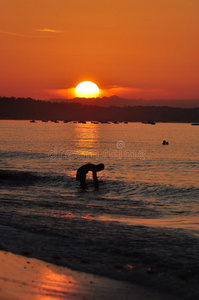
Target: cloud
{"type": "Point", "coordinates": [130, 92]}
{"type": "Point", "coordinates": [12, 33]}
{"type": "Point", "coordinates": [30, 35]}
{"type": "Point", "coordinates": [48, 30]}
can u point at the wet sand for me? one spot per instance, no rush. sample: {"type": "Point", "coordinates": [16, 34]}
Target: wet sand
{"type": "Point", "coordinates": [28, 278]}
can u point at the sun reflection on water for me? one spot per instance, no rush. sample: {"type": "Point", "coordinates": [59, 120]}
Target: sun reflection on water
{"type": "Point", "coordinates": [86, 137]}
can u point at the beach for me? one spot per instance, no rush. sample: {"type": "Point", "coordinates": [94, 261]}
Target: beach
{"type": "Point", "coordinates": [28, 278]}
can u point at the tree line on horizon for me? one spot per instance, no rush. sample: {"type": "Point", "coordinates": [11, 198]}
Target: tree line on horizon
{"type": "Point", "coordinates": [28, 109]}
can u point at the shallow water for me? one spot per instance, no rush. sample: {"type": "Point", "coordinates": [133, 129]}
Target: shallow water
{"type": "Point", "coordinates": [141, 225]}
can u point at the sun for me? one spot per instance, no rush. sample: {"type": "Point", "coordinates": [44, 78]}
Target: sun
{"type": "Point", "coordinates": [87, 89]}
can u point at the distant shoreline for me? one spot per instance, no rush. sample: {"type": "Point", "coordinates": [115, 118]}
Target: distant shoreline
{"type": "Point", "coordinates": [30, 109]}
{"type": "Point", "coordinates": [77, 121]}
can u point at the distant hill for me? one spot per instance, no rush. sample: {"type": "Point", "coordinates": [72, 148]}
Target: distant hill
{"type": "Point", "coordinates": [117, 101]}
{"type": "Point", "coordinates": [26, 109]}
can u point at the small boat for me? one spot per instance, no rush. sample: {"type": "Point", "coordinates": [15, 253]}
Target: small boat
{"type": "Point", "coordinates": [32, 121]}
{"type": "Point", "coordinates": [195, 124]}
{"type": "Point", "coordinates": [116, 122]}
{"type": "Point", "coordinates": [148, 122]}
{"type": "Point", "coordinates": [44, 121]}
{"type": "Point", "coordinates": [125, 122]}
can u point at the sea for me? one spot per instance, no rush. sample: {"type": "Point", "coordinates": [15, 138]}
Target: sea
{"type": "Point", "coordinates": [140, 225]}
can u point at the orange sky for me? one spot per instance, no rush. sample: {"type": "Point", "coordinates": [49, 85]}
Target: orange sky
{"type": "Point", "coordinates": [131, 48]}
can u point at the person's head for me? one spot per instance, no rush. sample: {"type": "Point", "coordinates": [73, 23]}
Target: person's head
{"type": "Point", "coordinates": [100, 167]}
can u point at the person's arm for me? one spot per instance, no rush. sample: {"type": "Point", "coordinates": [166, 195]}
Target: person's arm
{"type": "Point", "coordinates": [95, 177]}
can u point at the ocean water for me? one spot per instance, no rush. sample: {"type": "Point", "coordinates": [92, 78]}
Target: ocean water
{"type": "Point", "coordinates": [142, 223]}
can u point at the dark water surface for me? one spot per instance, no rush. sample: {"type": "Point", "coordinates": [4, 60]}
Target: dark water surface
{"type": "Point", "coordinates": [141, 225]}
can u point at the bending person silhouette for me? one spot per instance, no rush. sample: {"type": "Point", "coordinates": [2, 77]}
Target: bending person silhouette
{"type": "Point", "coordinates": [83, 170]}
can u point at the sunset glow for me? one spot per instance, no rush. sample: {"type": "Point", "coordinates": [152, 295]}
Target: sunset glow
{"type": "Point", "coordinates": [145, 49]}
